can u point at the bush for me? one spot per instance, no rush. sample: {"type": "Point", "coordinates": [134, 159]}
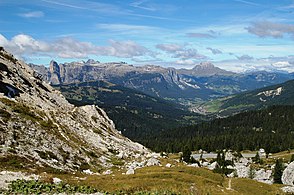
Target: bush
{"type": "Point", "coordinates": [38, 187]}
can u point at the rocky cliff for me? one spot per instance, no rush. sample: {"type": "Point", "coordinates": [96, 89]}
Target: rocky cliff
{"type": "Point", "coordinates": [38, 125]}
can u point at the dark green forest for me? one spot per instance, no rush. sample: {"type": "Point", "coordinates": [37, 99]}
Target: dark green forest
{"type": "Point", "coordinates": [271, 128]}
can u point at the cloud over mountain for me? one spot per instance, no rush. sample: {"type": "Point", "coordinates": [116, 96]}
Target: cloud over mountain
{"type": "Point", "coordinates": [67, 47]}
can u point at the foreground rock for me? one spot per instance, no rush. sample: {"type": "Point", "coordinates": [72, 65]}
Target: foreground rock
{"type": "Point", "coordinates": [288, 175]}
{"type": "Point", "coordinates": [39, 126]}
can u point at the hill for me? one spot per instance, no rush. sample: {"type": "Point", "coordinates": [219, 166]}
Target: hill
{"type": "Point", "coordinates": [280, 94]}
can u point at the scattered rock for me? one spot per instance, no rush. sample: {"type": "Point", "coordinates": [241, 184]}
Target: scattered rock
{"type": "Point", "coordinates": [130, 172]}
{"type": "Point", "coordinates": [193, 165]}
{"type": "Point", "coordinates": [264, 176]}
{"type": "Point", "coordinates": [168, 165]}
{"type": "Point", "coordinates": [212, 166]}
{"type": "Point", "coordinates": [88, 171]}
{"type": "Point", "coordinates": [56, 180]}
{"type": "Point", "coordinates": [152, 162]}
{"type": "Point", "coordinates": [288, 175]}
{"type": "Point", "coordinates": [288, 189]}
{"type": "Point", "coordinates": [107, 172]}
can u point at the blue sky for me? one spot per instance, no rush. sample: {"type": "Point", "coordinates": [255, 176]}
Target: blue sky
{"type": "Point", "coordinates": [237, 35]}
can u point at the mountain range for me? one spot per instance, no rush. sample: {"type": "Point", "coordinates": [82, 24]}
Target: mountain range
{"type": "Point", "coordinates": [203, 82]}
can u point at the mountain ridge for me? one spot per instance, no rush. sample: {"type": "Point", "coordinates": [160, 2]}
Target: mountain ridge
{"type": "Point", "coordinates": [203, 82]}
{"type": "Point", "coordinates": [37, 123]}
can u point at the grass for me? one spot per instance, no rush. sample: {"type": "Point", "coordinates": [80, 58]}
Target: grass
{"type": "Point", "coordinates": [248, 186]}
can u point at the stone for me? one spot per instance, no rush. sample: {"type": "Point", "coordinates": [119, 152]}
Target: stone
{"type": "Point", "coordinates": [56, 180]}
{"type": "Point", "coordinates": [168, 165]}
{"type": "Point", "coordinates": [130, 172]}
{"type": "Point", "coordinates": [152, 162]}
{"type": "Point", "coordinates": [212, 166]}
{"type": "Point", "coordinates": [264, 176]}
{"type": "Point", "coordinates": [288, 175]}
{"type": "Point", "coordinates": [88, 171]}
{"type": "Point", "coordinates": [107, 172]}
{"type": "Point", "coordinates": [288, 189]}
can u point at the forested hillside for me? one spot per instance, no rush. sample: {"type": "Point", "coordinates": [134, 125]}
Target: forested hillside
{"type": "Point", "coordinates": [136, 114]}
{"type": "Point", "coordinates": [271, 128]}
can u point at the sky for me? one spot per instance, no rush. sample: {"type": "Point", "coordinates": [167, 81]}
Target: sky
{"type": "Point", "coordinates": [236, 35]}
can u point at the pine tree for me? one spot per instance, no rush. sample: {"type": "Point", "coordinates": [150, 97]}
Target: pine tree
{"type": "Point", "coordinates": [278, 171]}
{"type": "Point", "coordinates": [292, 158]}
{"type": "Point", "coordinates": [186, 154]}
{"type": "Point", "coordinates": [257, 158]}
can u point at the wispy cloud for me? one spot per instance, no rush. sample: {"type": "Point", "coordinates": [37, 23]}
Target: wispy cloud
{"type": "Point", "coordinates": [125, 27]}
{"type": "Point", "coordinates": [200, 35]}
{"type": "Point", "coordinates": [140, 4]}
{"type": "Point", "coordinates": [107, 9]}
{"type": "Point", "coordinates": [247, 2]}
{"type": "Point", "coordinates": [214, 51]}
{"type": "Point", "coordinates": [33, 14]}
{"type": "Point", "coordinates": [271, 29]}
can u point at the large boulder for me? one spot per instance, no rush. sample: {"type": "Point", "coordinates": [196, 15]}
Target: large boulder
{"type": "Point", "coordinates": [264, 176]}
{"type": "Point", "coordinates": [152, 162]}
{"type": "Point", "coordinates": [288, 175]}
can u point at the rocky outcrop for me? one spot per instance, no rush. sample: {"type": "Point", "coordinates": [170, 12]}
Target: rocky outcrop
{"type": "Point", "coordinates": [39, 125]}
{"type": "Point", "coordinates": [288, 175]}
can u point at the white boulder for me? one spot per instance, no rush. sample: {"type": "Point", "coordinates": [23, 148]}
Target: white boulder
{"type": "Point", "coordinates": [56, 180]}
{"type": "Point", "coordinates": [107, 172]}
{"type": "Point", "coordinates": [288, 175]}
{"type": "Point", "coordinates": [212, 166]}
{"type": "Point", "coordinates": [152, 162]}
{"type": "Point", "coordinates": [168, 165]}
{"type": "Point", "coordinates": [264, 176]}
{"type": "Point", "coordinates": [88, 171]}
{"type": "Point", "coordinates": [130, 172]}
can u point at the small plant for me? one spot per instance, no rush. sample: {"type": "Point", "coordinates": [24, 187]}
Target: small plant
{"type": "Point", "coordinates": [38, 187]}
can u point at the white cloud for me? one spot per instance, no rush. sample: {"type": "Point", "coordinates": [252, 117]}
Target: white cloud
{"type": "Point", "coordinates": [245, 57]}
{"type": "Point", "coordinates": [214, 51]}
{"type": "Point", "coordinates": [33, 14]}
{"type": "Point", "coordinates": [180, 51]}
{"type": "Point", "coordinates": [24, 45]}
{"type": "Point", "coordinates": [169, 47]}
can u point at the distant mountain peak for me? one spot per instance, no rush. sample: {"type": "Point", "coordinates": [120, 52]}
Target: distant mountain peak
{"type": "Point", "coordinates": [91, 61]}
{"type": "Point", "coordinates": [205, 65]}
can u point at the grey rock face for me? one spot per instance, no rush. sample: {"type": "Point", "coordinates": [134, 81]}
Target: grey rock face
{"type": "Point", "coordinates": [288, 175]}
{"type": "Point", "coordinates": [38, 124]}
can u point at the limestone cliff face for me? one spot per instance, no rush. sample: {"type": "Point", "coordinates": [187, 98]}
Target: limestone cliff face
{"type": "Point", "coordinates": [37, 123]}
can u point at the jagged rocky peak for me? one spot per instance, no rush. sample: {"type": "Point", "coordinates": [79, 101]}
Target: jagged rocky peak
{"type": "Point", "coordinates": [205, 65]}
{"type": "Point", "coordinates": [91, 61]}
{"type": "Point", "coordinates": [39, 126]}
{"type": "Point", "coordinates": [54, 67]}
